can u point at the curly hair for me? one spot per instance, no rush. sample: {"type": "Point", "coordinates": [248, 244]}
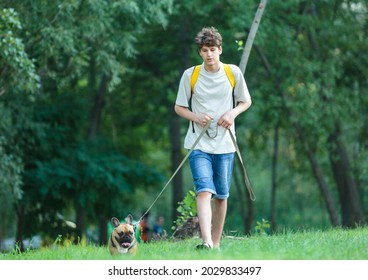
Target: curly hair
{"type": "Point", "coordinates": [208, 36]}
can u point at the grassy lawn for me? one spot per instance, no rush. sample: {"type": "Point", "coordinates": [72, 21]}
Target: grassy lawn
{"type": "Point", "coordinates": [335, 244]}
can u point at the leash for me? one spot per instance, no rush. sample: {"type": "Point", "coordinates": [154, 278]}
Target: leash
{"type": "Point", "coordinates": [177, 169]}
{"type": "Point", "coordinates": [245, 176]}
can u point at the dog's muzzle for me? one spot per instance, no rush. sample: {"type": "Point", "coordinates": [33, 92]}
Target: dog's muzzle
{"type": "Point", "coordinates": [124, 241]}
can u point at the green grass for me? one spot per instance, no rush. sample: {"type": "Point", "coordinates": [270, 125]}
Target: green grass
{"type": "Point", "coordinates": [336, 244]}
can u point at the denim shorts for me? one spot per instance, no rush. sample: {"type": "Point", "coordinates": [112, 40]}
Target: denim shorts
{"type": "Point", "coordinates": [212, 172]}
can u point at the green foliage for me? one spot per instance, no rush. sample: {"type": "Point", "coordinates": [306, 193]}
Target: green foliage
{"type": "Point", "coordinates": [17, 70]}
{"type": "Point", "coordinates": [187, 209]}
{"type": "Point", "coordinates": [11, 169]}
{"type": "Point", "coordinates": [75, 44]}
{"type": "Point", "coordinates": [310, 82]}
{"type": "Point", "coordinates": [10, 164]}
{"type": "Point", "coordinates": [65, 170]}
{"type": "Point", "coordinates": [262, 227]}
{"type": "Point", "coordinates": [240, 44]}
{"type": "Point", "coordinates": [75, 39]}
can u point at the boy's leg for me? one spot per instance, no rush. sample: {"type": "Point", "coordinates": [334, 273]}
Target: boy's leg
{"type": "Point", "coordinates": [204, 213]}
{"type": "Point", "coordinates": [218, 220]}
{"type": "Point", "coordinates": [223, 167]}
{"type": "Point", "coordinates": [201, 167]}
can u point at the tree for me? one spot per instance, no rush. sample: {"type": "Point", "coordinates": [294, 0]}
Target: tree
{"type": "Point", "coordinates": [17, 74]}
{"type": "Point", "coordinates": [312, 88]}
{"type": "Point", "coordinates": [82, 46]}
{"type": "Point", "coordinates": [17, 70]}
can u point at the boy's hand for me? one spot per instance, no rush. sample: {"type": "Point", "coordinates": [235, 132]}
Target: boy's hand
{"type": "Point", "coordinates": [202, 120]}
{"type": "Point", "coordinates": [226, 120]}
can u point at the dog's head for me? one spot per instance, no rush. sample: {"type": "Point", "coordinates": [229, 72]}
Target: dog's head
{"type": "Point", "coordinates": [123, 235]}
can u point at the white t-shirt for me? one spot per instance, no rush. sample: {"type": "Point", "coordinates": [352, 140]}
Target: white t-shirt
{"type": "Point", "coordinates": [213, 96]}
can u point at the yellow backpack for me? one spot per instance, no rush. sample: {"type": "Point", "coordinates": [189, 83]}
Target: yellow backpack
{"type": "Point", "coordinates": [194, 79]}
{"type": "Point", "coordinates": [228, 72]}
{"type": "Point", "coordinates": [195, 75]}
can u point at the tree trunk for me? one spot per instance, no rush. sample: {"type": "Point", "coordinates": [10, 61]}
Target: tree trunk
{"type": "Point", "coordinates": [93, 131]}
{"type": "Point", "coordinates": [318, 174]}
{"type": "Point", "coordinates": [80, 222]}
{"type": "Point", "coordinates": [252, 34]}
{"type": "Point", "coordinates": [96, 112]}
{"type": "Point", "coordinates": [274, 178]}
{"type": "Point", "coordinates": [176, 158]}
{"type": "Point", "coordinates": [99, 103]}
{"type": "Point", "coordinates": [21, 215]}
{"type": "Point", "coordinates": [102, 229]}
{"type": "Point", "coordinates": [351, 208]}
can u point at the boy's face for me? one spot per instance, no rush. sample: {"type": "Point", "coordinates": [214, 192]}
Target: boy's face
{"type": "Point", "coordinates": [210, 55]}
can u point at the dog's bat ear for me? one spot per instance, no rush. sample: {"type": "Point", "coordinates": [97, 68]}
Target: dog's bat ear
{"type": "Point", "coordinates": [115, 222]}
{"type": "Point", "coordinates": [129, 219]}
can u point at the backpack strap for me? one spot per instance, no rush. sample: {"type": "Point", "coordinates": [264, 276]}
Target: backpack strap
{"type": "Point", "coordinates": [194, 77]}
{"type": "Point", "coordinates": [229, 75]}
{"type": "Point", "coordinates": [231, 78]}
{"type": "Point", "coordinates": [197, 69]}
{"type": "Point", "coordinates": [193, 80]}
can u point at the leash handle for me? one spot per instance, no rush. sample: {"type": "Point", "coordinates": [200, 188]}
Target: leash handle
{"type": "Point", "coordinates": [177, 169]}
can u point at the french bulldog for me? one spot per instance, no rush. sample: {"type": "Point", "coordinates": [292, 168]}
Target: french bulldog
{"type": "Point", "coordinates": [122, 239]}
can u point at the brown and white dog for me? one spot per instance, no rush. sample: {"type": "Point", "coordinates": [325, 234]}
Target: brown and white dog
{"type": "Point", "coordinates": [122, 239]}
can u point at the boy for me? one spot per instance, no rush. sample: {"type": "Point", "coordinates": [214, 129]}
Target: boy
{"type": "Point", "coordinates": [212, 161]}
